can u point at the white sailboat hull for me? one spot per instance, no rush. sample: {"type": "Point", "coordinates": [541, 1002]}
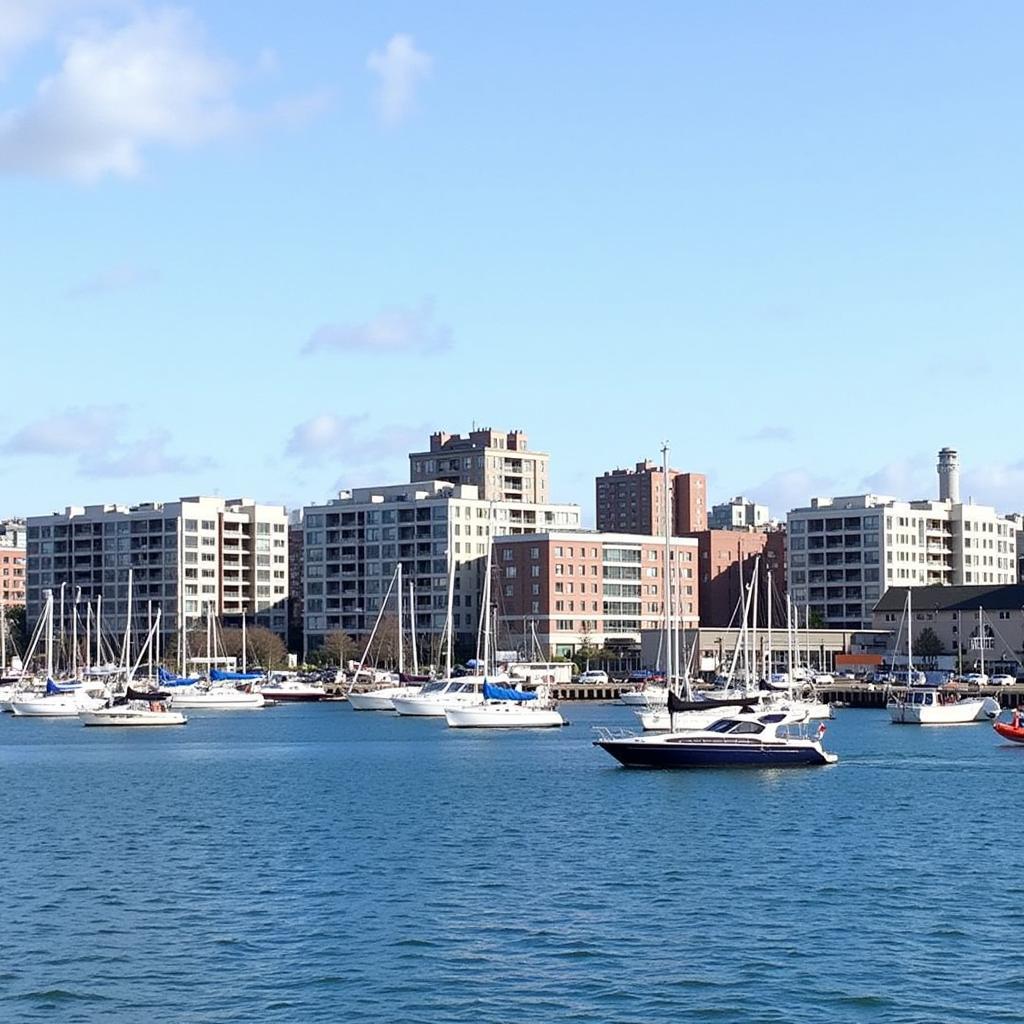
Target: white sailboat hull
{"type": "Point", "coordinates": [56, 706]}
{"type": "Point", "coordinates": [652, 695]}
{"type": "Point", "coordinates": [381, 700]}
{"type": "Point", "coordinates": [435, 705]}
{"type": "Point", "coordinates": [126, 716]}
{"type": "Point", "coordinates": [218, 698]}
{"type": "Point", "coordinates": [500, 715]}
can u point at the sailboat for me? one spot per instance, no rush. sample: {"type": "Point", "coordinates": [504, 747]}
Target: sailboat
{"type": "Point", "coordinates": [58, 700]}
{"type": "Point", "coordinates": [218, 692]}
{"type": "Point", "coordinates": [381, 698]}
{"type": "Point", "coordinates": [503, 706]}
{"type": "Point", "coordinates": [932, 706]}
{"type": "Point", "coordinates": [436, 696]}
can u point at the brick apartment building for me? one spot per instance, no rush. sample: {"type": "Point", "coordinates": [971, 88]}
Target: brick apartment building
{"type": "Point", "coordinates": [559, 590]}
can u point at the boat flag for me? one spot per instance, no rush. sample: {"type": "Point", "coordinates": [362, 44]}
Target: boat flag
{"type": "Point", "coordinates": [821, 730]}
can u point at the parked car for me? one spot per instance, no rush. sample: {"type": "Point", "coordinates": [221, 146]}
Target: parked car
{"type": "Point", "coordinates": [1002, 680]}
{"type": "Point", "coordinates": [976, 679]}
{"type": "Point", "coordinates": [643, 675]}
{"type": "Point", "coordinates": [594, 676]}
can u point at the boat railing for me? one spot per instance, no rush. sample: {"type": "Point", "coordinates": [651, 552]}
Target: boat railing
{"type": "Point", "coordinates": [605, 732]}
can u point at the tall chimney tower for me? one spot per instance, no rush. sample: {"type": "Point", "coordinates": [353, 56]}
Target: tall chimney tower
{"type": "Point", "coordinates": [949, 476]}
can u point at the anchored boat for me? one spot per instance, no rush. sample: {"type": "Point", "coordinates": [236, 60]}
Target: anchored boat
{"type": "Point", "coordinates": [736, 741]}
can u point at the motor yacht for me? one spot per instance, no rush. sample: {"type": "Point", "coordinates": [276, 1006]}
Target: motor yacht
{"type": "Point", "coordinates": [60, 700]}
{"type": "Point", "coordinates": [135, 708]}
{"type": "Point", "coordinates": [919, 706]}
{"type": "Point", "coordinates": [434, 698]}
{"type": "Point", "coordinates": [771, 740]}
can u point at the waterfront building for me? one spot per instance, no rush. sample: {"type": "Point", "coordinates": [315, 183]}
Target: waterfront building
{"type": "Point", "coordinates": [498, 463]}
{"type": "Point", "coordinates": [632, 500]}
{"type": "Point", "coordinates": [845, 552]}
{"type": "Point", "coordinates": [739, 514]}
{"type": "Point", "coordinates": [965, 621]}
{"type": "Point", "coordinates": [728, 560]}
{"type": "Point", "coordinates": [823, 650]}
{"type": "Point", "coordinates": [561, 590]}
{"type": "Point", "coordinates": [353, 542]}
{"type": "Point", "coordinates": [188, 557]}
{"type": "Point", "coordinates": [296, 539]}
{"type": "Point", "coordinates": [12, 562]}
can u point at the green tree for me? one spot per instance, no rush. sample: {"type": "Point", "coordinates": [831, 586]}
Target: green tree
{"type": "Point", "coordinates": [927, 644]}
{"type": "Point", "coordinates": [17, 628]}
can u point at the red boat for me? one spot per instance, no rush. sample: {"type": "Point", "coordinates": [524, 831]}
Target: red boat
{"type": "Point", "coordinates": [1013, 730]}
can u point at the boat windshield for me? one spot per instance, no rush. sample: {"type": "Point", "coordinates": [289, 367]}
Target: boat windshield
{"type": "Point", "coordinates": [735, 726]}
{"type": "Point", "coordinates": [432, 687]}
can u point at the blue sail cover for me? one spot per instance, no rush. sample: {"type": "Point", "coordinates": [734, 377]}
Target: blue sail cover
{"type": "Point", "coordinates": [170, 679]}
{"type": "Point", "coordinates": [220, 676]}
{"type": "Point", "coordinates": [52, 687]}
{"type": "Point", "coordinates": [492, 692]}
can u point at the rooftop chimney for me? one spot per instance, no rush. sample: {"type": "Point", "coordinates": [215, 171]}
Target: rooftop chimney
{"type": "Point", "coordinates": [949, 476]}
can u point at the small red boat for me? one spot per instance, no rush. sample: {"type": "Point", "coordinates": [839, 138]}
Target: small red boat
{"type": "Point", "coordinates": [1013, 730]}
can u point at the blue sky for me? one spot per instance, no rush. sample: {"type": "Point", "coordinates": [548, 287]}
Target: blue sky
{"type": "Point", "coordinates": [265, 249]}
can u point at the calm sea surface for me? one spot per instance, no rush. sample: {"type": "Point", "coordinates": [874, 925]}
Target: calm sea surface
{"type": "Point", "coordinates": [311, 863]}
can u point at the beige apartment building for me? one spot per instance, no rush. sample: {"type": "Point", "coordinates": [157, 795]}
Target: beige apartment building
{"type": "Point", "coordinates": [560, 590]}
{"type": "Point", "coordinates": [498, 463]}
{"type": "Point", "coordinates": [189, 557]}
{"type": "Point", "coordinates": [352, 544]}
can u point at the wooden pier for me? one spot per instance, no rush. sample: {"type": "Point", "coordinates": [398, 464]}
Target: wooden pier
{"type": "Point", "coordinates": [874, 695]}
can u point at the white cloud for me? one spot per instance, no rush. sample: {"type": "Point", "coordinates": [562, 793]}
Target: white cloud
{"type": "Point", "coordinates": [146, 457]}
{"type": "Point", "coordinates": [912, 479]}
{"type": "Point", "coordinates": [998, 484]}
{"type": "Point", "coordinates": [400, 68]}
{"type": "Point", "coordinates": [94, 436]}
{"type": "Point", "coordinates": [770, 433]}
{"type": "Point", "coordinates": [117, 91]}
{"type": "Point", "coordinates": [397, 329]}
{"type": "Point", "coordinates": [789, 488]}
{"type": "Point", "coordinates": [329, 436]}
{"type": "Point", "coordinates": [76, 431]}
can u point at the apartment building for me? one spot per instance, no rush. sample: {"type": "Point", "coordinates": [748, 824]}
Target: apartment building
{"type": "Point", "coordinates": [187, 557]}
{"type": "Point", "coordinates": [12, 562]}
{"type": "Point", "coordinates": [498, 463]}
{"type": "Point", "coordinates": [970, 622]}
{"type": "Point", "coordinates": [633, 500]}
{"type": "Point", "coordinates": [352, 544]}
{"type": "Point", "coordinates": [845, 552]}
{"type": "Point", "coordinates": [562, 589]}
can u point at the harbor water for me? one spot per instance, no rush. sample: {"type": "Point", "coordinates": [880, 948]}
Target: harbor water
{"type": "Point", "coordinates": [309, 863]}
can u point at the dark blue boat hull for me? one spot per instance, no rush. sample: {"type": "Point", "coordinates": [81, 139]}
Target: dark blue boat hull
{"type": "Point", "coordinates": [708, 755]}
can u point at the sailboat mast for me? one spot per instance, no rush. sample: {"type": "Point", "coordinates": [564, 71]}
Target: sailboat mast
{"type": "Point", "coordinates": [755, 657]}
{"type": "Point", "coordinates": [768, 625]}
{"type": "Point", "coordinates": [981, 638]}
{"type": "Point", "coordinates": [49, 634]}
{"type": "Point", "coordinates": [74, 634]}
{"type": "Point", "coordinates": [245, 646]}
{"type": "Point", "coordinates": [99, 629]}
{"type": "Point", "coordinates": [485, 611]}
{"type": "Point", "coordinates": [910, 640]}
{"type": "Point", "coordinates": [3, 637]}
{"type": "Point", "coordinates": [149, 630]}
{"type": "Point", "coordinates": [401, 649]}
{"type": "Point", "coordinates": [451, 597]}
{"type": "Point", "coordinates": [667, 578]}
{"type": "Point", "coordinates": [128, 631]}
{"type": "Point", "coordinates": [412, 630]}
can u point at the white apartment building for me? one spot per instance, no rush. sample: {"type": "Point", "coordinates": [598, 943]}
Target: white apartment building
{"type": "Point", "coordinates": [352, 544]}
{"type": "Point", "coordinates": [843, 553]}
{"type": "Point", "coordinates": [738, 514]}
{"type": "Point", "coordinates": [187, 557]}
